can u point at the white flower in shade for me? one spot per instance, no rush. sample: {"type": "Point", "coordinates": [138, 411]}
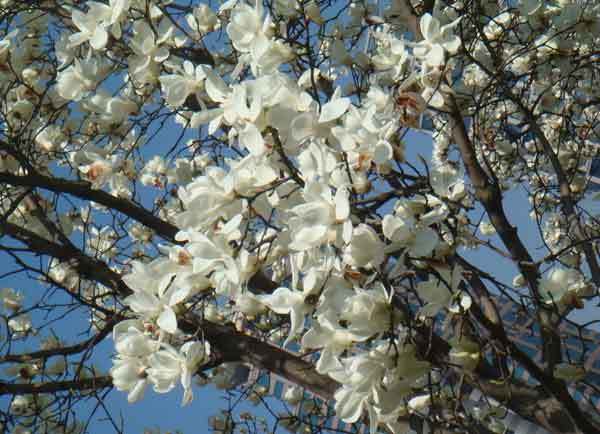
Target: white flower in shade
{"type": "Point", "coordinates": [404, 231]}
{"type": "Point", "coordinates": [149, 47]}
{"type": "Point", "coordinates": [110, 110]}
{"type": "Point", "coordinates": [419, 403]}
{"type": "Point", "coordinates": [249, 304]}
{"type": "Point", "coordinates": [22, 405]}
{"type": "Point", "coordinates": [293, 395]}
{"type": "Point", "coordinates": [11, 299]}
{"type": "Point", "coordinates": [465, 353]}
{"type": "Point", "coordinates": [359, 377]}
{"type": "Point", "coordinates": [443, 293]}
{"type": "Point", "coordinates": [564, 288]}
{"type": "Point", "coordinates": [487, 229]}
{"type": "Point", "coordinates": [367, 312]}
{"type": "Point", "coordinates": [20, 325]}
{"type": "Point", "coordinates": [203, 19]}
{"type": "Point", "coordinates": [569, 371]}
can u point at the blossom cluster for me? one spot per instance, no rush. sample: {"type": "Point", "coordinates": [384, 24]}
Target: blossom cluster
{"type": "Point", "coordinates": [295, 166]}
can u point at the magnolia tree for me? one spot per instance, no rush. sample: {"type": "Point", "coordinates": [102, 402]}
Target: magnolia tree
{"type": "Point", "coordinates": [204, 185]}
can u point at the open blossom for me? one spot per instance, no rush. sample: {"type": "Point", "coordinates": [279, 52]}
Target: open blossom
{"type": "Point", "coordinates": [80, 78]}
{"type": "Point", "coordinates": [436, 39]}
{"type": "Point", "coordinates": [91, 25]}
{"type": "Point", "coordinates": [168, 366]}
{"type": "Point", "coordinates": [247, 28]}
{"type": "Point", "coordinates": [159, 306]}
{"type": "Point", "coordinates": [177, 87]}
{"type": "Point", "coordinates": [320, 219]}
{"type": "Point", "coordinates": [94, 24]}
{"type": "Point", "coordinates": [285, 301]}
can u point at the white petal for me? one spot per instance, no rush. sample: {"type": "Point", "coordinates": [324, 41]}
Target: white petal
{"type": "Point", "coordinates": [334, 109]}
{"type": "Point", "coordinates": [430, 27]}
{"type": "Point", "coordinates": [205, 116]}
{"type": "Point", "coordinates": [435, 56]}
{"type": "Point", "coordinates": [137, 392]}
{"type": "Point", "coordinates": [282, 300]}
{"type": "Point", "coordinates": [252, 140]}
{"type": "Point", "coordinates": [349, 405]}
{"type": "Point", "coordinates": [302, 126]}
{"type": "Point", "coordinates": [100, 38]}
{"type": "Point", "coordinates": [167, 320]}
{"type": "Point", "coordinates": [296, 323]}
{"type": "Point", "coordinates": [342, 205]}
{"type": "Point", "coordinates": [216, 88]}
{"type": "Point", "coordinates": [179, 296]}
{"type": "Point", "coordinates": [383, 153]}
{"type": "Point", "coordinates": [142, 302]}
{"type": "Point", "coordinates": [328, 362]}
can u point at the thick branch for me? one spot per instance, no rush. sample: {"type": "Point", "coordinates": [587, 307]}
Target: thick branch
{"type": "Point", "coordinates": [84, 190]}
{"type": "Point", "coordinates": [55, 386]}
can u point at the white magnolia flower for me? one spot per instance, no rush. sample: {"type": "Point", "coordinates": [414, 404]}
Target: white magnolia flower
{"type": "Point", "coordinates": [213, 259]}
{"type": "Point", "coordinates": [11, 300]}
{"type": "Point", "coordinates": [157, 302]}
{"type": "Point", "coordinates": [365, 250]}
{"type": "Point", "coordinates": [333, 339]}
{"type": "Point", "coordinates": [419, 403]}
{"type": "Point", "coordinates": [168, 365]}
{"type": "Point", "coordinates": [368, 312]}
{"type": "Point", "coordinates": [91, 25]}
{"type": "Point", "coordinates": [129, 375]}
{"type": "Point", "coordinates": [564, 288]}
{"type": "Point", "coordinates": [203, 19]}
{"type": "Point", "coordinates": [193, 354]}
{"type": "Point", "coordinates": [297, 304]}
{"type": "Point", "coordinates": [80, 78]}
{"type": "Point", "coordinates": [246, 28]}
{"type": "Point", "coordinates": [335, 107]}
{"type": "Point", "coordinates": [318, 219]}
{"type": "Point", "coordinates": [20, 325]}
{"type": "Point", "coordinates": [436, 39]}
{"type": "Point", "coordinates": [404, 231]}
{"type": "Point", "coordinates": [443, 293]}
{"type": "Point", "coordinates": [131, 340]}
{"type": "Point", "coordinates": [177, 87]}
{"type": "Point", "coordinates": [208, 198]}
